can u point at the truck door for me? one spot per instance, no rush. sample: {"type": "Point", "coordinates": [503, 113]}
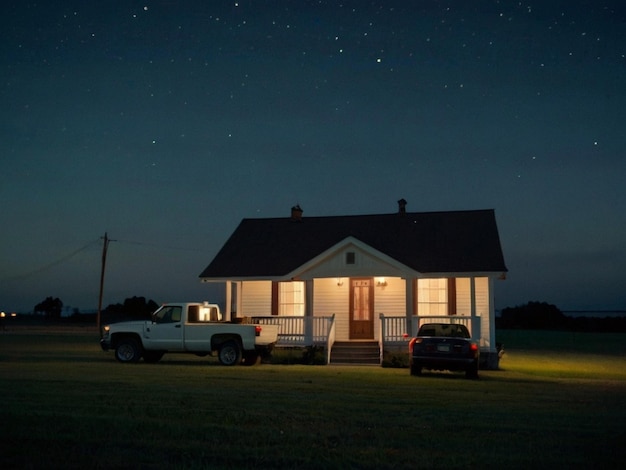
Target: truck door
{"type": "Point", "coordinates": [166, 330]}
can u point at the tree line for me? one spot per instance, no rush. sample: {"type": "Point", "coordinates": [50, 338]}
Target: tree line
{"type": "Point", "coordinates": [529, 316]}
{"type": "Point", "coordinates": [132, 308]}
{"type": "Point", "coordinates": [545, 316]}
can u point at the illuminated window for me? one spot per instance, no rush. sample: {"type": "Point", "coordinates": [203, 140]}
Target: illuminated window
{"type": "Point", "coordinates": [291, 298]}
{"type": "Point", "coordinates": [432, 296]}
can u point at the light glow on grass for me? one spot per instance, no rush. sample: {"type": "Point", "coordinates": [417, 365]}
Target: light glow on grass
{"type": "Point", "coordinates": [78, 407]}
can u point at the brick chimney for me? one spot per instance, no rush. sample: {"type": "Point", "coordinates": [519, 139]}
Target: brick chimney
{"type": "Point", "coordinates": [296, 213]}
{"type": "Point", "coordinates": [401, 206]}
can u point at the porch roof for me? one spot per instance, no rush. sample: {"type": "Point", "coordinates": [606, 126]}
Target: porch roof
{"type": "Point", "coordinates": [427, 242]}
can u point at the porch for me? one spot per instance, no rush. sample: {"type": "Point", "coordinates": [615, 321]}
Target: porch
{"type": "Point", "coordinates": [303, 331]}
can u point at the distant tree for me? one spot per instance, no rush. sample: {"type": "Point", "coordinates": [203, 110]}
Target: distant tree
{"type": "Point", "coordinates": [50, 307]}
{"type": "Point", "coordinates": [135, 307]}
{"type": "Point", "coordinates": [533, 316]}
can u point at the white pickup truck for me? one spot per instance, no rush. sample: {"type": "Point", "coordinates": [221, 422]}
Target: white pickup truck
{"type": "Point", "coordinates": [190, 327]}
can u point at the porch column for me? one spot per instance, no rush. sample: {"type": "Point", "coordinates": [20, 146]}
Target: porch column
{"type": "Point", "coordinates": [492, 315]}
{"type": "Point", "coordinates": [238, 285]}
{"type": "Point", "coordinates": [308, 312]}
{"type": "Point", "coordinates": [473, 318]}
{"type": "Point", "coordinates": [409, 306]}
{"type": "Point", "coordinates": [229, 301]}
{"type": "Point", "coordinates": [472, 297]}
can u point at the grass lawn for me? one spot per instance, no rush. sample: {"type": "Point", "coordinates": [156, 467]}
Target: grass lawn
{"type": "Point", "coordinates": [558, 402]}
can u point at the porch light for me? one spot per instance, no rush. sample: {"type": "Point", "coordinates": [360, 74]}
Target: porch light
{"type": "Point", "coordinates": [340, 281]}
{"type": "Point", "coordinates": [381, 281]}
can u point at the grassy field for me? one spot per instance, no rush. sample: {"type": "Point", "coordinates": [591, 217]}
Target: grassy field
{"type": "Point", "coordinates": [558, 402]}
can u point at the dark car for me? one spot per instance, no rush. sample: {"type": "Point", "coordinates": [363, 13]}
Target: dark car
{"type": "Point", "coordinates": [444, 346]}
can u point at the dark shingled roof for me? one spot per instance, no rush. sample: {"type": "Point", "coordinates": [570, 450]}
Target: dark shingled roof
{"type": "Point", "coordinates": [427, 242]}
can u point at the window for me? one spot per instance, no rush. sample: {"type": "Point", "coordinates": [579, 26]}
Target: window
{"type": "Point", "coordinates": [432, 296]}
{"type": "Point", "coordinates": [168, 315]}
{"type": "Point", "coordinates": [350, 257]}
{"type": "Point", "coordinates": [291, 298]}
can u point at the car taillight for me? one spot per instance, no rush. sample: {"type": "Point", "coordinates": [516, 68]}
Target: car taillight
{"type": "Point", "coordinates": [257, 330]}
{"type": "Point", "coordinates": [473, 347]}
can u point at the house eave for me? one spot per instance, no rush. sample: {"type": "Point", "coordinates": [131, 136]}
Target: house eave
{"type": "Point", "coordinates": [294, 276]}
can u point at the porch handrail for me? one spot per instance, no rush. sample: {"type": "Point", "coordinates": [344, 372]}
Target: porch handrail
{"type": "Point", "coordinates": [330, 337]}
{"type": "Point", "coordinates": [381, 337]}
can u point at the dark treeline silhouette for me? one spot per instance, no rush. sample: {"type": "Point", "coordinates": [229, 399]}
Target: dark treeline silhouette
{"type": "Point", "coordinates": [51, 308]}
{"type": "Point", "coordinates": [544, 316]}
{"type": "Point", "coordinates": [133, 308]}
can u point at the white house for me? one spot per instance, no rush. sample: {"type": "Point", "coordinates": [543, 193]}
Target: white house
{"type": "Point", "coordinates": [360, 278]}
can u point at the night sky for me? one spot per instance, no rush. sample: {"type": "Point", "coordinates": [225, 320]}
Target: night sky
{"type": "Point", "coordinates": [164, 123]}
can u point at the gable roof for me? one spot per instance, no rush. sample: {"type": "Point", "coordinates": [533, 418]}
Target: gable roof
{"type": "Point", "coordinates": [427, 242]}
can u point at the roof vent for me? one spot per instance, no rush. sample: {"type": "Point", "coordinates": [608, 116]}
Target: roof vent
{"type": "Point", "coordinates": [401, 206]}
{"type": "Point", "coordinates": [296, 213]}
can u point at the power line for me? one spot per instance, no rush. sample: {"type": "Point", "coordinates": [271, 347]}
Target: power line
{"type": "Point", "coordinates": [50, 265]}
{"type": "Point", "coordinates": [67, 257]}
{"type": "Point", "coordinates": [161, 247]}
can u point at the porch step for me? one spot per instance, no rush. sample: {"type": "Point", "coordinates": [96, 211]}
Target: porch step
{"type": "Point", "coordinates": [355, 352]}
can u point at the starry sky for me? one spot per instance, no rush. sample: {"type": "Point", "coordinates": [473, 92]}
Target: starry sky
{"type": "Point", "coordinates": [164, 123]}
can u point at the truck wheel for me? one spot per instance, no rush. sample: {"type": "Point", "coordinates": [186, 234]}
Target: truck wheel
{"type": "Point", "coordinates": [152, 357]}
{"type": "Point", "coordinates": [416, 369]}
{"type": "Point", "coordinates": [229, 353]}
{"type": "Point", "coordinates": [127, 350]}
{"type": "Point", "coordinates": [250, 358]}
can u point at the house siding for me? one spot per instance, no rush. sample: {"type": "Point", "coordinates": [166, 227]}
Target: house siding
{"type": "Point", "coordinates": [330, 298]}
{"type": "Point", "coordinates": [463, 296]}
{"type": "Point", "coordinates": [256, 299]}
{"type": "Point", "coordinates": [390, 299]}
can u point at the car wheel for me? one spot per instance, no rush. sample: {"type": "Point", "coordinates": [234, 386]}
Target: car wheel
{"type": "Point", "coordinates": [472, 372]}
{"type": "Point", "coordinates": [127, 350]}
{"type": "Point", "coordinates": [229, 353]}
{"type": "Point", "coordinates": [416, 369]}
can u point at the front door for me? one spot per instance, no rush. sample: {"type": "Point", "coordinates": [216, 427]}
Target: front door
{"type": "Point", "coordinates": [361, 309]}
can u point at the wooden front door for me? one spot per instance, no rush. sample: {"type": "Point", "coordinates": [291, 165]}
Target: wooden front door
{"type": "Point", "coordinates": [361, 309]}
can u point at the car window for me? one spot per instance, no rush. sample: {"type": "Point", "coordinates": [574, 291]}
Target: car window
{"type": "Point", "coordinates": [449, 330]}
{"type": "Point", "coordinates": [176, 314]}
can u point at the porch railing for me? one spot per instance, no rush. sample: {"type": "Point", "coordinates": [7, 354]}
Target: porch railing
{"type": "Point", "coordinates": [472, 323]}
{"type": "Point", "coordinates": [292, 330]}
{"type": "Point", "coordinates": [308, 331]}
{"type": "Point", "coordinates": [394, 329]}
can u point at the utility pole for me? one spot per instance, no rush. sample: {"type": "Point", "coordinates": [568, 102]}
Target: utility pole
{"type": "Point", "coordinates": [104, 262]}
